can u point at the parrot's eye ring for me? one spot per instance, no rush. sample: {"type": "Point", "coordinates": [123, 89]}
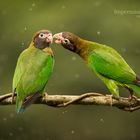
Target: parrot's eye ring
{"type": "Point", "coordinates": [42, 35]}
{"type": "Point", "coordinates": [66, 41]}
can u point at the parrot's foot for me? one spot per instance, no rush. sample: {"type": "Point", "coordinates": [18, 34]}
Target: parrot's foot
{"type": "Point", "coordinates": [13, 97]}
{"type": "Point", "coordinates": [110, 97]}
{"type": "Point", "coordinates": [45, 94]}
{"type": "Point", "coordinates": [132, 97]}
{"type": "Point", "coordinates": [78, 99]}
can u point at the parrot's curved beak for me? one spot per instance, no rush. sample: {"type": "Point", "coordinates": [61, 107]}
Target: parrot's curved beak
{"type": "Point", "coordinates": [59, 38]}
{"type": "Point", "coordinates": [49, 38]}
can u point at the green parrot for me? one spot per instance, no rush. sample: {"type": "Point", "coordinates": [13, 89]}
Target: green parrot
{"type": "Point", "coordinates": [34, 67]}
{"type": "Point", "coordinates": [104, 61]}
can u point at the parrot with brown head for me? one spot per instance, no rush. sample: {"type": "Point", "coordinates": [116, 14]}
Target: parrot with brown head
{"type": "Point", "coordinates": [104, 61]}
{"type": "Point", "coordinates": [34, 67]}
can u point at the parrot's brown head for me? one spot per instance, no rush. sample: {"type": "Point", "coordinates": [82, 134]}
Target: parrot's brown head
{"type": "Point", "coordinates": [67, 40]}
{"type": "Point", "coordinates": [42, 39]}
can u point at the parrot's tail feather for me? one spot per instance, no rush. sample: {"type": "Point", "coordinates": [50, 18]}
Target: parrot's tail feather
{"type": "Point", "coordinates": [136, 89]}
{"type": "Point", "coordinates": [30, 99]}
{"type": "Point", "coordinates": [19, 107]}
{"type": "Point", "coordinates": [22, 105]}
{"type": "Point", "coordinates": [20, 110]}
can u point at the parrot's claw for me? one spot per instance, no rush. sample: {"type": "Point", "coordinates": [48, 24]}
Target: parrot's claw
{"type": "Point", "coordinates": [132, 97]}
{"type": "Point", "coordinates": [110, 99]}
{"type": "Point", "coordinates": [13, 97]}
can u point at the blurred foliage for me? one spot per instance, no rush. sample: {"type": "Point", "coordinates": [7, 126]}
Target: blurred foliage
{"type": "Point", "coordinates": [110, 22]}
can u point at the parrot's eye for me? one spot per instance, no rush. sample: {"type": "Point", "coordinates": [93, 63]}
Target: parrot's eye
{"type": "Point", "coordinates": [42, 35]}
{"type": "Point", "coordinates": [66, 41]}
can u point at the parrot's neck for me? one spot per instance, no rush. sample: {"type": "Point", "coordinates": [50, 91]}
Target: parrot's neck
{"type": "Point", "coordinates": [84, 48]}
{"type": "Point", "coordinates": [47, 50]}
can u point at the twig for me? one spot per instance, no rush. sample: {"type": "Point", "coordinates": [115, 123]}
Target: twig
{"type": "Point", "coordinates": [85, 99]}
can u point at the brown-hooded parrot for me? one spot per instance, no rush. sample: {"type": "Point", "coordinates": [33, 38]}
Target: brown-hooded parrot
{"type": "Point", "coordinates": [33, 69]}
{"type": "Point", "coordinates": [104, 61]}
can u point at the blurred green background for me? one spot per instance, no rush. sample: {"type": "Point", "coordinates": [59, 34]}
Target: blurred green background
{"type": "Point", "coordinates": [114, 23]}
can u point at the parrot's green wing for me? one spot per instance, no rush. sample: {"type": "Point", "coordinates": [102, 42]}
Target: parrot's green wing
{"type": "Point", "coordinates": [108, 63]}
{"type": "Point", "coordinates": [20, 68]}
{"type": "Point", "coordinates": [32, 72]}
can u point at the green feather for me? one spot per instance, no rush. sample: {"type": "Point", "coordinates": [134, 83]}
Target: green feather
{"type": "Point", "coordinates": [136, 89]}
{"type": "Point", "coordinates": [32, 72]}
{"type": "Point", "coordinates": [105, 61]}
{"type": "Point", "coordinates": [111, 68]}
{"type": "Point", "coordinates": [108, 63]}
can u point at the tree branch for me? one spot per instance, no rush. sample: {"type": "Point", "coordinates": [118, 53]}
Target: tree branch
{"type": "Point", "coordinates": [125, 104]}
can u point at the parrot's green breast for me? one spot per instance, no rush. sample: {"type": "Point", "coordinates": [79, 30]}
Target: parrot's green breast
{"type": "Point", "coordinates": [32, 72]}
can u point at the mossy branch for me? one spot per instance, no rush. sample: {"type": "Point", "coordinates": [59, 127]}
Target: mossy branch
{"type": "Point", "coordinates": [125, 104]}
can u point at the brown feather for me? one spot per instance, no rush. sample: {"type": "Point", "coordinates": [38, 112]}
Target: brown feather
{"type": "Point", "coordinates": [80, 45]}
